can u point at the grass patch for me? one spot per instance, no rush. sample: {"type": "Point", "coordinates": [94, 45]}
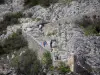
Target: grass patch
{"type": "Point", "coordinates": [90, 31]}
{"type": "Point", "coordinates": [51, 68]}
{"type": "Point", "coordinates": [54, 32]}
{"type": "Point", "coordinates": [38, 19]}
{"type": "Point", "coordinates": [63, 69]}
{"type": "Point", "coordinates": [12, 43]}
{"type": "Point", "coordinates": [50, 34]}
{"type": "Point", "coordinates": [46, 60]}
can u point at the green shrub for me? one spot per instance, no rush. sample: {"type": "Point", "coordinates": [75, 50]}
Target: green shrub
{"type": "Point", "coordinates": [27, 64]}
{"type": "Point", "coordinates": [15, 61]}
{"type": "Point", "coordinates": [51, 33]}
{"type": "Point", "coordinates": [1, 49]}
{"type": "Point", "coordinates": [44, 3]}
{"type": "Point", "coordinates": [9, 19]}
{"type": "Point", "coordinates": [47, 61]}
{"type": "Point", "coordinates": [31, 2]}
{"type": "Point", "coordinates": [38, 19]}
{"type": "Point", "coordinates": [51, 68]}
{"type": "Point", "coordinates": [65, 1]}
{"type": "Point", "coordinates": [12, 18]}
{"type": "Point", "coordinates": [63, 68]}
{"type": "Point", "coordinates": [14, 42]}
{"type": "Point", "coordinates": [90, 31]}
{"type": "Point", "coordinates": [90, 25]}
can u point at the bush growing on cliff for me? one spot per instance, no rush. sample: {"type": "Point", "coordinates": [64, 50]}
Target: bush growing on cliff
{"type": "Point", "coordinates": [63, 69]}
{"type": "Point", "coordinates": [47, 61]}
{"type": "Point", "coordinates": [54, 32]}
{"type": "Point", "coordinates": [65, 1]}
{"type": "Point", "coordinates": [27, 64]}
{"type": "Point", "coordinates": [30, 2]}
{"type": "Point", "coordinates": [12, 18]}
{"type": "Point", "coordinates": [44, 3]}
{"type": "Point", "coordinates": [14, 42]}
{"type": "Point", "coordinates": [1, 49]}
{"type": "Point", "coordinates": [9, 19]}
{"type": "Point", "coordinates": [90, 25]}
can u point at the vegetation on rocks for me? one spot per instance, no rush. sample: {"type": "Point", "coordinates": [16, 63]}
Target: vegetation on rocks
{"type": "Point", "coordinates": [63, 69]}
{"type": "Point", "coordinates": [66, 1]}
{"type": "Point", "coordinates": [90, 25]}
{"type": "Point", "coordinates": [44, 3]}
{"type": "Point", "coordinates": [46, 60]}
{"type": "Point", "coordinates": [27, 63]}
{"type": "Point", "coordinates": [52, 33]}
{"type": "Point", "coordinates": [12, 43]}
{"type": "Point", "coordinates": [10, 19]}
{"type": "Point", "coordinates": [30, 2]}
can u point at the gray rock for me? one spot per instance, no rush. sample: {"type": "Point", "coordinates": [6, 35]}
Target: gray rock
{"type": "Point", "coordinates": [69, 36]}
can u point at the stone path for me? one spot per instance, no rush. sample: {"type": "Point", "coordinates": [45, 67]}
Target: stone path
{"type": "Point", "coordinates": [37, 37]}
{"type": "Point", "coordinates": [32, 31]}
{"type": "Point", "coordinates": [36, 34]}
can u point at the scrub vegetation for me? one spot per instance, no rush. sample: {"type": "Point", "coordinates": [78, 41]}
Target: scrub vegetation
{"type": "Point", "coordinates": [10, 19]}
{"type": "Point", "coordinates": [13, 43]}
{"type": "Point", "coordinates": [44, 3]}
{"type": "Point", "coordinates": [90, 25]}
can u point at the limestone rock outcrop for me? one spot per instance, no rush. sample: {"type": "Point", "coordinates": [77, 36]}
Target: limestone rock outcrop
{"type": "Point", "coordinates": [61, 18]}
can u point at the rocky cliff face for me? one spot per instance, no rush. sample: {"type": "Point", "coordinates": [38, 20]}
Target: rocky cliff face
{"type": "Point", "coordinates": [10, 6]}
{"type": "Point", "coordinates": [59, 11]}
{"type": "Point", "coordinates": [70, 37]}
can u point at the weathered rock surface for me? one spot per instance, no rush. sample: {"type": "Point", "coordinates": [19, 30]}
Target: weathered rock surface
{"type": "Point", "coordinates": [70, 37]}
{"type": "Point", "coordinates": [59, 11]}
{"type": "Point", "coordinates": [11, 6]}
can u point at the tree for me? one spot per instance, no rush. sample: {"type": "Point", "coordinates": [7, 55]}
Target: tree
{"type": "Point", "coordinates": [28, 64]}
{"type": "Point", "coordinates": [14, 42]}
